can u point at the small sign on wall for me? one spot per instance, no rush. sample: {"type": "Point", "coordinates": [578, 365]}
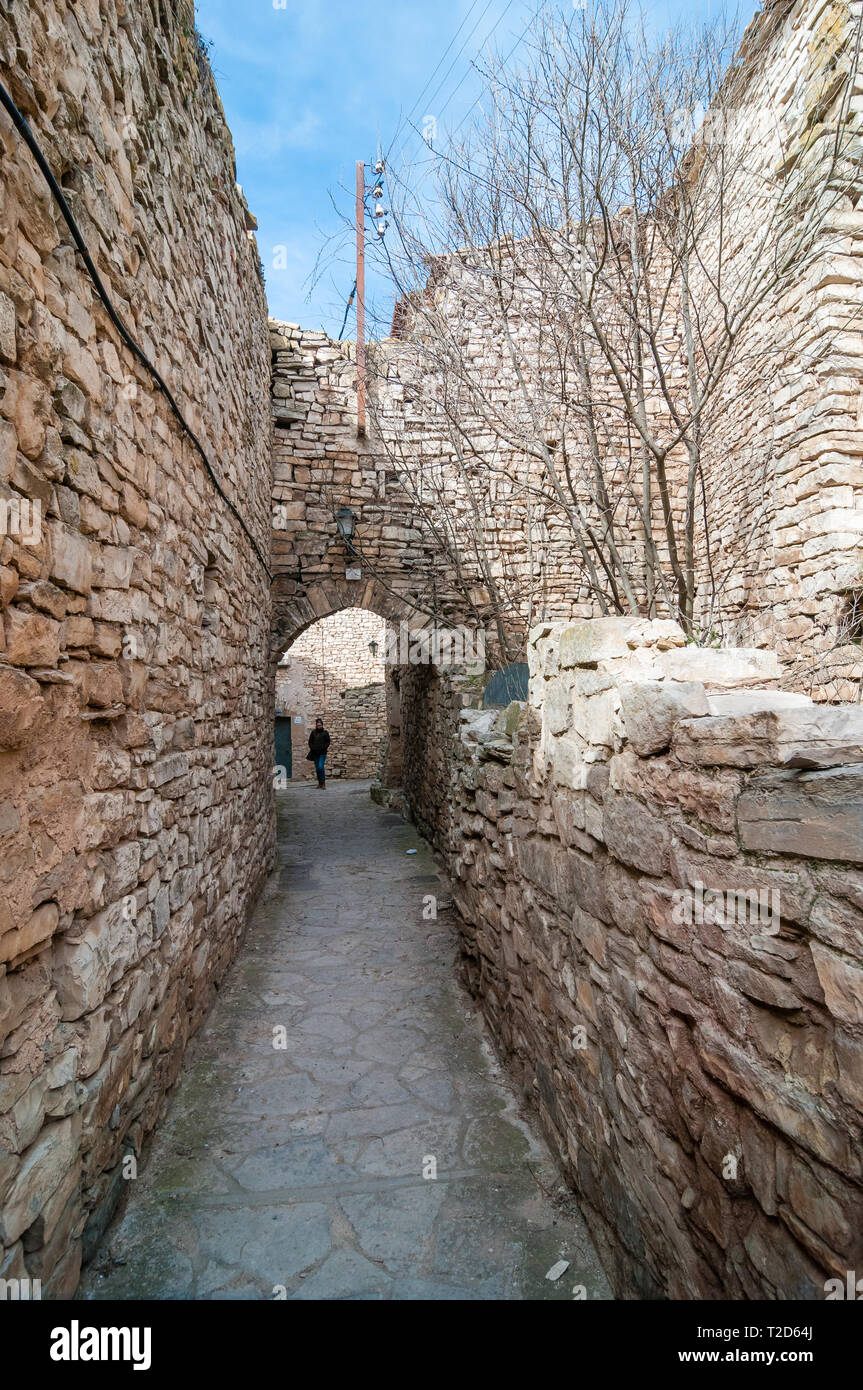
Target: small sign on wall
{"type": "Point", "coordinates": [355, 573]}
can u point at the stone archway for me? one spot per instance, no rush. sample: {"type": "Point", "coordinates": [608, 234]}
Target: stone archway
{"type": "Point", "coordinates": [294, 613]}
{"type": "Point", "coordinates": [322, 468]}
{"type": "Point", "coordinates": [294, 610]}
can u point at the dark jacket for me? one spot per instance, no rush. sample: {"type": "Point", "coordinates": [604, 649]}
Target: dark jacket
{"type": "Point", "coordinates": [319, 741]}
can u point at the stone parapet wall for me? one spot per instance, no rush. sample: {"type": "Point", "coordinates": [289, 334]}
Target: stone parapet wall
{"type": "Point", "coordinates": [657, 862]}
{"type": "Point", "coordinates": [136, 702]}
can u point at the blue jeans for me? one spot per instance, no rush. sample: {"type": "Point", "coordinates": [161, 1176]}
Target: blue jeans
{"type": "Point", "coordinates": [320, 759]}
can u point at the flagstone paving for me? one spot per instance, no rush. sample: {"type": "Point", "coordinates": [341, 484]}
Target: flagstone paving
{"type": "Point", "coordinates": [297, 1170]}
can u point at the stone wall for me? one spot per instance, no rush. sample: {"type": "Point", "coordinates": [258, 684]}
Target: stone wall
{"type": "Point", "coordinates": [784, 479]}
{"type": "Point", "coordinates": [657, 865]}
{"type": "Point", "coordinates": [136, 699]}
{"type": "Point", "coordinates": [331, 673]}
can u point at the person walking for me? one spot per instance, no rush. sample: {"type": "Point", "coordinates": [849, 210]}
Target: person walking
{"type": "Point", "coordinates": [319, 742]}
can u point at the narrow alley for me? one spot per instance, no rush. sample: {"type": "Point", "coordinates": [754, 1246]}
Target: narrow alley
{"type": "Point", "coordinates": [341, 1062]}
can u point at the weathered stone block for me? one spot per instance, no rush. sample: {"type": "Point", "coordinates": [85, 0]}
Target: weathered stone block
{"type": "Point", "coordinates": [717, 669]}
{"type": "Point", "coordinates": [807, 736]}
{"type": "Point", "coordinates": [634, 835]}
{"type": "Point", "coordinates": [650, 710]}
{"type": "Point", "coordinates": [585, 644]}
{"type": "Point", "coordinates": [40, 927]}
{"type": "Point", "coordinates": [86, 967]}
{"type": "Point", "coordinates": [70, 555]}
{"type": "Point", "coordinates": [21, 704]}
{"type": "Point", "coordinates": [44, 1166]}
{"type": "Point", "coordinates": [31, 638]}
{"type": "Point", "coordinates": [816, 814]}
{"type": "Point", "coordinates": [568, 768]}
{"type": "Point", "coordinates": [842, 982]}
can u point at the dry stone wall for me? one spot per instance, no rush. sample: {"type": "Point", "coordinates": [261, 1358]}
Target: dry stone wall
{"type": "Point", "coordinates": [135, 694]}
{"type": "Point", "coordinates": [784, 480]}
{"type": "Point", "coordinates": [657, 864]}
{"type": "Point", "coordinates": [332, 673]}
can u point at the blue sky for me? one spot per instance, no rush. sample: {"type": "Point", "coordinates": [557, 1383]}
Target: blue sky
{"type": "Point", "coordinates": [311, 86]}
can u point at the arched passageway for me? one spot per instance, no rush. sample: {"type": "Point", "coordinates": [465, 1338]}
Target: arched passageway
{"type": "Point", "coordinates": [335, 671]}
{"type": "Point", "coordinates": [295, 615]}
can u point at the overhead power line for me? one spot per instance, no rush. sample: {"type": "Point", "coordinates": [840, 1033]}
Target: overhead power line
{"type": "Point", "coordinates": [443, 80]}
{"type": "Point", "coordinates": [452, 65]}
{"type": "Point", "coordinates": [467, 74]}
{"type": "Point", "coordinates": [518, 41]}
{"type": "Point", "coordinates": [418, 101]}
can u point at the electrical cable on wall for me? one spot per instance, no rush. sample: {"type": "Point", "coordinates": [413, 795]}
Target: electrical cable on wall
{"type": "Point", "coordinates": [347, 311]}
{"type": "Point", "coordinates": [57, 193]}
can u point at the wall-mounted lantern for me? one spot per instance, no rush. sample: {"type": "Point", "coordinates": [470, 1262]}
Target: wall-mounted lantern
{"type": "Point", "coordinates": [373, 648]}
{"type": "Point", "coordinates": [346, 523]}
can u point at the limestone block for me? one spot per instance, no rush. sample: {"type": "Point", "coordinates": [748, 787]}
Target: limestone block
{"type": "Point", "coordinates": [556, 707]}
{"type": "Point", "coordinates": [764, 988]}
{"type": "Point", "coordinates": [791, 735]}
{"type": "Point", "coordinates": [791, 1108]}
{"type": "Point", "coordinates": [70, 560]}
{"type": "Point", "coordinates": [539, 862]}
{"type": "Point", "coordinates": [21, 1125]}
{"type": "Point", "coordinates": [8, 450]}
{"type": "Point", "coordinates": [168, 768]}
{"type": "Point", "coordinates": [634, 835]}
{"type": "Point", "coordinates": [720, 669]}
{"type": "Point", "coordinates": [650, 710]}
{"type": "Point", "coordinates": [595, 704]}
{"type": "Point", "coordinates": [102, 684]}
{"type": "Point", "coordinates": [31, 638]}
{"type": "Point", "coordinates": [86, 967]}
{"type": "Point", "coordinates": [815, 814]}
{"type": "Point", "coordinates": [742, 702]}
{"type": "Point", "coordinates": [8, 584]}
{"type": "Point", "coordinates": [849, 1060]}
{"type": "Point", "coordinates": [82, 475]}
{"type": "Point", "coordinates": [568, 768]}
{"type": "Point", "coordinates": [44, 1166]}
{"type": "Point", "coordinates": [27, 403]}
{"type": "Point", "coordinates": [662, 633]}
{"type": "Point", "coordinates": [21, 703]}
{"type": "Point", "coordinates": [112, 567]}
{"type": "Point", "coordinates": [40, 927]}
{"type": "Point", "coordinates": [8, 319]}
{"type": "Point", "coordinates": [475, 723]}
{"type": "Point", "coordinates": [585, 644]}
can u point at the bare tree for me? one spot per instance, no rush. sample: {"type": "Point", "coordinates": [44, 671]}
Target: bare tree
{"type": "Point", "coordinates": [596, 289]}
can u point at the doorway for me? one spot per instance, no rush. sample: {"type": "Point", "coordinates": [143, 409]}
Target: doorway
{"type": "Point", "coordinates": [284, 743]}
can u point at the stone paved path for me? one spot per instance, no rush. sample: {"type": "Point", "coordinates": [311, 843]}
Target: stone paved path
{"type": "Point", "coordinates": [303, 1167]}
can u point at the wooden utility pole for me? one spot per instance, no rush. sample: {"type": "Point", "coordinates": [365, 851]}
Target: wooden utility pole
{"type": "Point", "coordinates": [361, 298]}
